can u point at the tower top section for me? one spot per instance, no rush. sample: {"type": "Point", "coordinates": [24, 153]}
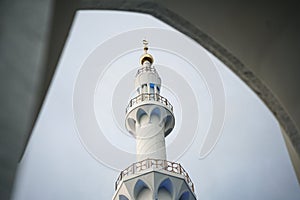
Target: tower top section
{"type": "Point", "coordinates": [149, 116]}
{"type": "Point", "coordinates": [146, 56]}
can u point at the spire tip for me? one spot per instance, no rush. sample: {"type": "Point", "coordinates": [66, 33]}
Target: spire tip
{"type": "Point", "coordinates": [146, 56]}
{"type": "Point", "coordinates": [145, 43]}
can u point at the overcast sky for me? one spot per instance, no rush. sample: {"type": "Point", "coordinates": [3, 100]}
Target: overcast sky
{"type": "Point", "coordinates": [233, 147]}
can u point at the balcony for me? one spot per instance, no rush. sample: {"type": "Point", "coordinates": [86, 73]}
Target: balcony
{"type": "Point", "coordinates": [146, 69]}
{"type": "Point", "coordinates": [149, 97]}
{"type": "Point", "coordinates": [159, 165]}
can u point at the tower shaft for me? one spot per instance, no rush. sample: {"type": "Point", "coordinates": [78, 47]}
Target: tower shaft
{"type": "Point", "coordinates": [150, 134]}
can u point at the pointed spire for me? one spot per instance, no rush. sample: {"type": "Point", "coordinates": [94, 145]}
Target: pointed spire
{"type": "Point", "coordinates": [146, 56]}
{"type": "Point", "coordinates": [145, 43]}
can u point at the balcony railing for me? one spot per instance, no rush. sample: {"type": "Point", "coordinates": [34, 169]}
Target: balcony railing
{"type": "Point", "coordinates": [162, 165]}
{"type": "Point", "coordinates": [145, 69]}
{"type": "Point", "coordinates": [149, 97]}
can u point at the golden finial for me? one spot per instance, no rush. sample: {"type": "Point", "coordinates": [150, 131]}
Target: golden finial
{"type": "Point", "coordinates": [146, 56]}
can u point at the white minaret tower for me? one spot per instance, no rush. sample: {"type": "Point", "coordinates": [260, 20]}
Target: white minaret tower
{"type": "Point", "coordinates": [150, 118]}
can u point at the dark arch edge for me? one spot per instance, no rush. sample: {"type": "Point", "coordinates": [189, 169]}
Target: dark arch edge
{"type": "Point", "coordinates": [185, 27]}
{"type": "Point", "coordinates": [216, 49]}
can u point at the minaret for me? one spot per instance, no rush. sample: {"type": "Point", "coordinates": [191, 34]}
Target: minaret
{"type": "Point", "coordinates": [150, 118]}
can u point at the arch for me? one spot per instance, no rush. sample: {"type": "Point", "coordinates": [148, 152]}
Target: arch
{"type": "Point", "coordinates": [131, 124]}
{"type": "Point", "coordinates": [192, 31]}
{"type": "Point", "coordinates": [169, 124]}
{"type": "Point", "coordinates": [141, 189]}
{"type": "Point", "coordinates": [140, 114]}
{"type": "Point", "coordinates": [185, 196]}
{"type": "Point", "coordinates": [166, 185]}
{"type": "Point", "coordinates": [184, 26]}
{"type": "Point", "coordinates": [155, 115]}
{"type": "Point", "coordinates": [168, 120]}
